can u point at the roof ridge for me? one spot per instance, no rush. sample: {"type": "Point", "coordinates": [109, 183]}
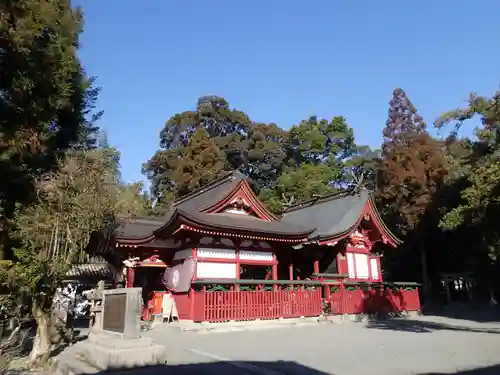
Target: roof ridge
{"type": "Point", "coordinates": [321, 199]}
{"type": "Point", "coordinates": [143, 220]}
{"type": "Point", "coordinates": [217, 182]}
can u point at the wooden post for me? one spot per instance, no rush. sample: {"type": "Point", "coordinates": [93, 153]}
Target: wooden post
{"type": "Point", "coordinates": [191, 304]}
{"type": "Point", "coordinates": [130, 277]}
{"type": "Point", "coordinates": [290, 271]}
{"type": "Point", "coordinates": [316, 266]}
{"type": "Point", "coordinates": [275, 272]}
{"type": "Point", "coordinates": [342, 297]}
{"type": "Point", "coordinates": [238, 268]}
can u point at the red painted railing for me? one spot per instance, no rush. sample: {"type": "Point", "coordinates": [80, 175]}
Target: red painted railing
{"type": "Point", "coordinates": [287, 301]}
{"type": "Point", "coordinates": [376, 300]}
{"type": "Point", "coordinates": [221, 306]}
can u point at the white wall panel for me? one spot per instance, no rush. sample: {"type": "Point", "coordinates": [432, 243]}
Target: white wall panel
{"type": "Point", "coordinates": [256, 255]}
{"type": "Point", "coordinates": [362, 271]}
{"type": "Point", "coordinates": [216, 253]}
{"type": "Point", "coordinates": [210, 270]}
{"type": "Point", "coordinates": [374, 268]}
{"type": "Point", "coordinates": [350, 265]}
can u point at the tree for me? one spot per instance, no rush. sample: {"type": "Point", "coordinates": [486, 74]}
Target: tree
{"type": "Point", "coordinates": [202, 162]}
{"type": "Point", "coordinates": [321, 141]}
{"type": "Point", "coordinates": [78, 199]}
{"type": "Point", "coordinates": [299, 184]}
{"type": "Point", "coordinates": [484, 158]}
{"type": "Point", "coordinates": [412, 169]}
{"type": "Point", "coordinates": [476, 172]}
{"type": "Point", "coordinates": [256, 149]}
{"type": "Point", "coordinates": [46, 101]}
{"type": "Point", "coordinates": [412, 164]}
{"type": "Point", "coordinates": [321, 156]}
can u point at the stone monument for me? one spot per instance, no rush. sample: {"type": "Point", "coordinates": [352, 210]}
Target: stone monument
{"type": "Point", "coordinates": [95, 298]}
{"type": "Point", "coordinates": [117, 343]}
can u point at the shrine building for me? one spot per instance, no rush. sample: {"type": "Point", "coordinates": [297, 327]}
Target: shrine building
{"type": "Point", "coordinates": [221, 255]}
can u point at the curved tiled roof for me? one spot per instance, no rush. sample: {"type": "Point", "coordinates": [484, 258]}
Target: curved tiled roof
{"type": "Point", "coordinates": [336, 215]}
{"type": "Point", "coordinates": [330, 217]}
{"type": "Point", "coordinates": [317, 219]}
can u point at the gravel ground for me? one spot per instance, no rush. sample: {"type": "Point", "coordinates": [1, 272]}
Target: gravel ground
{"type": "Point", "coordinates": [426, 345]}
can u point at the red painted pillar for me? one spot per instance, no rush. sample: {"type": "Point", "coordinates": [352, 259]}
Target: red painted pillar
{"type": "Point", "coordinates": [316, 266]}
{"type": "Point", "coordinates": [194, 255]}
{"type": "Point", "coordinates": [130, 277]}
{"type": "Point", "coordinates": [342, 297]}
{"type": "Point", "coordinates": [290, 271]}
{"type": "Point", "coordinates": [192, 294]}
{"type": "Point", "coordinates": [379, 267]}
{"type": "Point", "coordinates": [275, 272]}
{"type": "Point", "coordinates": [238, 269]}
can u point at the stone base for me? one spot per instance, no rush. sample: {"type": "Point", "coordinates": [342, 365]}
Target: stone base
{"type": "Point", "coordinates": [104, 351]}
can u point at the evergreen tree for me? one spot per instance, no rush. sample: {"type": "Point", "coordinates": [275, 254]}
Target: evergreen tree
{"type": "Point", "coordinates": [256, 149]}
{"type": "Point", "coordinates": [412, 169]}
{"type": "Point", "coordinates": [46, 101]}
{"type": "Point", "coordinates": [201, 163]}
{"type": "Point", "coordinates": [476, 180]}
{"type": "Point", "coordinates": [412, 164]}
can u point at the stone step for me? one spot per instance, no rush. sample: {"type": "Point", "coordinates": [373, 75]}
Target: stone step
{"type": "Point", "coordinates": [70, 364]}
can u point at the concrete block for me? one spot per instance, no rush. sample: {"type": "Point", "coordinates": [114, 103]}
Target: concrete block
{"type": "Point", "coordinates": [108, 358]}
{"type": "Point", "coordinates": [117, 341]}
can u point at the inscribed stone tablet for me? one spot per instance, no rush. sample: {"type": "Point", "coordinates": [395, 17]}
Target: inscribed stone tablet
{"type": "Point", "coordinates": [114, 312]}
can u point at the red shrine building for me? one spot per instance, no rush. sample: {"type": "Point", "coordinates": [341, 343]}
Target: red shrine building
{"type": "Point", "coordinates": [220, 255]}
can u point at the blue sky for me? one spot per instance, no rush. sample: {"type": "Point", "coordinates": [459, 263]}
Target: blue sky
{"type": "Point", "coordinates": [282, 61]}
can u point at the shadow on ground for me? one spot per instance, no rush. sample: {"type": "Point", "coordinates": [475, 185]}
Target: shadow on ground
{"type": "Point", "coordinates": [224, 368]}
{"type": "Point", "coordinates": [490, 370]}
{"type": "Point", "coordinates": [423, 326]}
{"type": "Point", "coordinates": [479, 314]}
{"type": "Point", "coordinates": [265, 368]}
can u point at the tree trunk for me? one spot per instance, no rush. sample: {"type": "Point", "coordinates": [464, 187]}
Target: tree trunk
{"type": "Point", "coordinates": [425, 274]}
{"type": "Point", "coordinates": [42, 346]}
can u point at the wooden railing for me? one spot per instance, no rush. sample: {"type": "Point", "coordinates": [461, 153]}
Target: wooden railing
{"type": "Point", "coordinates": [219, 301]}
{"type": "Point", "coordinates": [239, 300]}
{"type": "Point", "coordinates": [373, 298]}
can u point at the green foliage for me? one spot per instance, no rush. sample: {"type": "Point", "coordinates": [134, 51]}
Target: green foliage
{"type": "Point", "coordinates": [481, 198]}
{"type": "Point", "coordinates": [74, 201]}
{"type": "Point", "coordinates": [255, 148]}
{"type": "Point", "coordinates": [315, 157]}
{"type": "Point", "coordinates": [201, 163]}
{"type": "Point", "coordinates": [321, 159]}
{"type": "Point", "coordinates": [297, 185]}
{"type": "Point", "coordinates": [227, 127]}
{"type": "Point", "coordinates": [46, 103]}
{"type": "Point", "coordinates": [133, 201]}
{"type": "Point", "coordinates": [321, 141]}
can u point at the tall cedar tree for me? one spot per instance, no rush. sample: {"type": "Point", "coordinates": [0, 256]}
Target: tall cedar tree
{"type": "Point", "coordinates": [412, 165]}
{"type": "Point", "coordinates": [45, 99]}
{"type": "Point", "coordinates": [412, 169]}
{"type": "Point", "coordinates": [202, 162]}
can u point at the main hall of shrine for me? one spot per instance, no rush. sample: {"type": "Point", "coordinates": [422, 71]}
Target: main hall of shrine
{"type": "Point", "coordinates": [220, 254]}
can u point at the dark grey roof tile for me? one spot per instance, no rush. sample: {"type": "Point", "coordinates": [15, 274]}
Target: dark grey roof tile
{"type": "Point", "coordinates": [254, 224]}
{"type": "Point", "coordinates": [209, 194]}
{"type": "Point", "coordinates": [331, 216]}
{"type": "Point", "coordinates": [141, 227]}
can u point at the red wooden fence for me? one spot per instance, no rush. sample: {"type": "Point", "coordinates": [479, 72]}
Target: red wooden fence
{"type": "Point", "coordinates": [221, 306]}
{"type": "Point", "coordinates": [236, 305]}
{"type": "Point", "coordinates": [372, 301]}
